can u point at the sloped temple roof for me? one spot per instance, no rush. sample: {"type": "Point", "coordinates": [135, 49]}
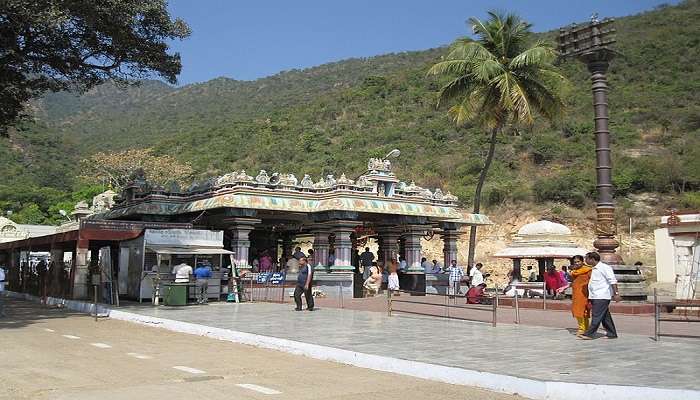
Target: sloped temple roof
{"type": "Point", "coordinates": [376, 192]}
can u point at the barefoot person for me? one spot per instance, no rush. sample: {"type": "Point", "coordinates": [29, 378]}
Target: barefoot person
{"type": "Point", "coordinates": [581, 274]}
{"type": "Point", "coordinates": [602, 287]}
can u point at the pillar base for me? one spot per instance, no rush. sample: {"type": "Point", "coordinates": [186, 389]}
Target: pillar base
{"type": "Point", "coordinates": [342, 268]}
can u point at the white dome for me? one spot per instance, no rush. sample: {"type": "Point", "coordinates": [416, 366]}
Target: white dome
{"type": "Point", "coordinates": [544, 228]}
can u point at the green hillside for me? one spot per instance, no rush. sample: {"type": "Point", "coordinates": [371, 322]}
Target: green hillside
{"type": "Point", "coordinates": [331, 118]}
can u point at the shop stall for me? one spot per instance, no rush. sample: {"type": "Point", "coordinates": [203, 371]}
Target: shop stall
{"type": "Point", "coordinates": [146, 263]}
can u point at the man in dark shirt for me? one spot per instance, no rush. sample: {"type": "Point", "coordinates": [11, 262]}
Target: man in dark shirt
{"type": "Point", "coordinates": [304, 278]}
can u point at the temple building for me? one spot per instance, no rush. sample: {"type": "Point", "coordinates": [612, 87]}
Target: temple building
{"type": "Point", "coordinates": [678, 253]}
{"type": "Point", "coordinates": [543, 241]}
{"type": "Point", "coordinates": [271, 212]}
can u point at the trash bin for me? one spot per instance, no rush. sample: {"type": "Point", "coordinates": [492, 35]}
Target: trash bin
{"type": "Point", "coordinates": [175, 294]}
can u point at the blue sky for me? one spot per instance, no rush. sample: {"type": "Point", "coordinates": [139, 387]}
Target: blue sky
{"type": "Point", "coordinates": [246, 40]}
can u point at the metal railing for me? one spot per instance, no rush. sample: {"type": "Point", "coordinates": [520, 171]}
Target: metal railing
{"type": "Point", "coordinates": [658, 319]}
{"type": "Point", "coordinates": [446, 304]}
{"type": "Point", "coordinates": [527, 286]}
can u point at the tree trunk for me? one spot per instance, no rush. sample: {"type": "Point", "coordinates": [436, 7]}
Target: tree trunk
{"type": "Point", "coordinates": [477, 194]}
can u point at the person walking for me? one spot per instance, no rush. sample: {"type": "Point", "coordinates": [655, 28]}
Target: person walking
{"type": "Point", "coordinates": [602, 287]}
{"type": "Point", "coordinates": [581, 274]}
{"type": "Point", "coordinates": [2, 292]}
{"type": "Point", "coordinates": [455, 278]}
{"type": "Point", "coordinates": [366, 259]}
{"type": "Point", "coordinates": [303, 286]}
{"type": "Point", "coordinates": [202, 275]}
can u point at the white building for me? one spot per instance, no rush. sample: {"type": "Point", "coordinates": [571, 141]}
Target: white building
{"type": "Point", "coordinates": [678, 253]}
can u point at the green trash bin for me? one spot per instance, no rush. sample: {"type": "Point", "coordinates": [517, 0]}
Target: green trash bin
{"type": "Point", "coordinates": [175, 294]}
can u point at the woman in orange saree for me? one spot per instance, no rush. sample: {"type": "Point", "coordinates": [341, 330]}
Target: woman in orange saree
{"type": "Point", "coordinates": [581, 274]}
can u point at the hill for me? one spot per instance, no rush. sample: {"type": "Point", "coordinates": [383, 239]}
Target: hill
{"type": "Point", "coordinates": [331, 118]}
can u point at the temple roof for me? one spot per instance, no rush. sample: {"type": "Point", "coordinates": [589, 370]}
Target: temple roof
{"type": "Point", "coordinates": [542, 239]}
{"type": "Point", "coordinates": [377, 191]}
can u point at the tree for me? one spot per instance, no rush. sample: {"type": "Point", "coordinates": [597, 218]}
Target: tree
{"type": "Point", "coordinates": [114, 169]}
{"type": "Point", "coordinates": [53, 45]}
{"type": "Point", "coordinates": [502, 78]}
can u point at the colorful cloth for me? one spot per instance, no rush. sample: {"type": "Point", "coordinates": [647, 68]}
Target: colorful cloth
{"type": "Point", "coordinates": [579, 292]}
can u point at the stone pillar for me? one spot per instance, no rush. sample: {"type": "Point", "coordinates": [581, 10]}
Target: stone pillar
{"type": "Point", "coordinates": [81, 278]}
{"type": "Point", "coordinates": [388, 245]}
{"type": "Point", "coordinates": [516, 265]}
{"type": "Point", "coordinates": [541, 267]}
{"type": "Point", "coordinates": [240, 240]}
{"type": "Point", "coordinates": [449, 249]}
{"type": "Point", "coordinates": [343, 245]}
{"type": "Point", "coordinates": [321, 246]}
{"type": "Point", "coordinates": [413, 248]}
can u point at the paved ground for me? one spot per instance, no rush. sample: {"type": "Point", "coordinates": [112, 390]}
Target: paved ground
{"type": "Point", "coordinates": [55, 354]}
{"type": "Point", "coordinates": [525, 351]}
{"type": "Point", "coordinates": [626, 324]}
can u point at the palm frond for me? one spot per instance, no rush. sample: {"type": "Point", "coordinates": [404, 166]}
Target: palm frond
{"type": "Point", "coordinates": [539, 54]}
{"type": "Point", "coordinates": [449, 67]}
{"type": "Point", "coordinates": [455, 88]}
{"type": "Point", "coordinates": [469, 50]}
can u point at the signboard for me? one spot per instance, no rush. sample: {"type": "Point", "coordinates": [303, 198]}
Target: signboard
{"type": "Point", "coordinates": [278, 278]}
{"type": "Point", "coordinates": [184, 237]}
{"type": "Point", "coordinates": [263, 277]}
{"type": "Point", "coordinates": [113, 225]}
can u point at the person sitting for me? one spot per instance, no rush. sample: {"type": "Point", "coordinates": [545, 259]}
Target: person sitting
{"type": "Point", "coordinates": [475, 294]}
{"type": "Point", "coordinates": [553, 281]}
{"type": "Point", "coordinates": [374, 281]}
{"type": "Point", "coordinates": [531, 275]}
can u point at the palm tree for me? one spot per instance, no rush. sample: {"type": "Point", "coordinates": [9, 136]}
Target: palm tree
{"type": "Point", "coordinates": [501, 78]}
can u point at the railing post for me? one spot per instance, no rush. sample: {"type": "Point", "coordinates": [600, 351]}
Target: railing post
{"type": "Point", "coordinates": [656, 317]}
{"type": "Point", "coordinates": [544, 295]}
{"type": "Point", "coordinates": [517, 306]}
{"type": "Point", "coordinates": [388, 301]}
{"type": "Point", "coordinates": [495, 308]}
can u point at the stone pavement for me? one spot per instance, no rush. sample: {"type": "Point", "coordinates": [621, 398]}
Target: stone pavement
{"type": "Point", "coordinates": [539, 353]}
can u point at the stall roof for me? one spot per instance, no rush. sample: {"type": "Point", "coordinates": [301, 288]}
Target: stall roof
{"type": "Point", "coordinates": [187, 250]}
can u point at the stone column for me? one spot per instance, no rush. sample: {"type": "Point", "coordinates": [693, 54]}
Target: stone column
{"type": "Point", "coordinates": [449, 249]}
{"type": "Point", "coordinates": [240, 241]}
{"type": "Point", "coordinates": [81, 278]}
{"type": "Point", "coordinates": [321, 246]}
{"type": "Point", "coordinates": [388, 245]}
{"type": "Point", "coordinates": [413, 248]}
{"type": "Point", "coordinates": [343, 245]}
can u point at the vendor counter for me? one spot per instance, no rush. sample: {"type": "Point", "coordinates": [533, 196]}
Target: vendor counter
{"type": "Point", "coordinates": [218, 285]}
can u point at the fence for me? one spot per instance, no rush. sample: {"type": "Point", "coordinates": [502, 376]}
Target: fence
{"type": "Point", "coordinates": [391, 301]}
{"type": "Point", "coordinates": [264, 287]}
{"type": "Point", "coordinates": [658, 320]}
{"type": "Point", "coordinates": [273, 288]}
{"type": "Point", "coordinates": [527, 287]}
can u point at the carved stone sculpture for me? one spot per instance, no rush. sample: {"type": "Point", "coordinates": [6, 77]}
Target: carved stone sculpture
{"type": "Point", "coordinates": [262, 177]}
{"type": "Point", "coordinates": [306, 182]}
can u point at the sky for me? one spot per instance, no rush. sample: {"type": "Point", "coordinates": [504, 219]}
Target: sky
{"type": "Point", "coordinates": [246, 40]}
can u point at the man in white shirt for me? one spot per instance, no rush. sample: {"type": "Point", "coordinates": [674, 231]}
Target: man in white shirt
{"type": "Point", "coordinates": [182, 273]}
{"type": "Point", "coordinates": [602, 287]}
{"type": "Point", "coordinates": [477, 278]}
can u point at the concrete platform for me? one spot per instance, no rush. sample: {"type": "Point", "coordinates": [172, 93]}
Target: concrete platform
{"type": "Point", "coordinates": [535, 362]}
